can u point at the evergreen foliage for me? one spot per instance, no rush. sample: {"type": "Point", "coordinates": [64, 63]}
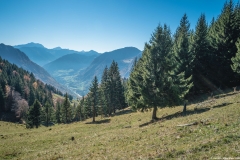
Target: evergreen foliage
{"type": "Point", "coordinates": [66, 110]}
{"type": "Point", "coordinates": [58, 113]}
{"type": "Point", "coordinates": [201, 59]}
{"type": "Point", "coordinates": [48, 113]}
{"type": "Point", "coordinates": [223, 35]}
{"type": "Point", "coordinates": [33, 116]}
{"type": "Point", "coordinates": [14, 80]}
{"type": "Point", "coordinates": [104, 93]}
{"type": "Point", "coordinates": [93, 96]}
{"type": "Point", "coordinates": [116, 92]}
{"type": "Point", "coordinates": [181, 46]}
{"type": "Point", "coordinates": [154, 82]}
{"type": "Point", "coordinates": [79, 111]}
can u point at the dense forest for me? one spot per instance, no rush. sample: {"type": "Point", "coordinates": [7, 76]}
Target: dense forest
{"type": "Point", "coordinates": [19, 89]}
{"type": "Point", "coordinates": [174, 68]}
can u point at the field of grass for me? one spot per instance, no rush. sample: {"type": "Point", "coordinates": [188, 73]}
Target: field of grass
{"type": "Point", "coordinates": [131, 135]}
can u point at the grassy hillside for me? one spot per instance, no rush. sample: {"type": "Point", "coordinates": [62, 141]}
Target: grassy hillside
{"type": "Point", "coordinates": [130, 135]}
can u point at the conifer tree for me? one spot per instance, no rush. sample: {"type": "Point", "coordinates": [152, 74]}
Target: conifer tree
{"type": "Point", "coordinates": [79, 110]}
{"type": "Point", "coordinates": [104, 93]}
{"type": "Point", "coordinates": [200, 52]}
{"type": "Point", "coordinates": [88, 106]}
{"type": "Point", "coordinates": [33, 116]}
{"type": "Point", "coordinates": [94, 97]}
{"type": "Point", "coordinates": [154, 82]}
{"type": "Point", "coordinates": [181, 46]}
{"type": "Point", "coordinates": [116, 92]}
{"type": "Point", "coordinates": [48, 110]}
{"type": "Point", "coordinates": [58, 113]}
{"type": "Point", "coordinates": [133, 95]}
{"type": "Point", "coordinates": [66, 111]}
{"type": "Point", "coordinates": [31, 96]}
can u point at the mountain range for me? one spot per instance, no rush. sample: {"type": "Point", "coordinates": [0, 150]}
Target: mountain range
{"type": "Point", "coordinates": [19, 58]}
{"type": "Point", "coordinates": [41, 55]}
{"type": "Point", "coordinates": [75, 69]}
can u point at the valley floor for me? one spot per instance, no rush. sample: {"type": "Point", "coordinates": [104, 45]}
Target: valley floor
{"type": "Point", "coordinates": [131, 135]}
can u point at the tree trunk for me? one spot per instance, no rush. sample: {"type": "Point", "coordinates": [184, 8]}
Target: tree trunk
{"type": "Point", "coordinates": [184, 109]}
{"type": "Point", "coordinates": [93, 114]}
{"type": "Point", "coordinates": [154, 114]}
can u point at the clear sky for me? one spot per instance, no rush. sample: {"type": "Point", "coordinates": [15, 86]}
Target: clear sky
{"type": "Point", "coordinates": [100, 25]}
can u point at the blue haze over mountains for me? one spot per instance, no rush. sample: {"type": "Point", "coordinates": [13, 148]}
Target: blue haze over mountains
{"type": "Point", "coordinates": [19, 58]}
{"type": "Point", "coordinates": [75, 69]}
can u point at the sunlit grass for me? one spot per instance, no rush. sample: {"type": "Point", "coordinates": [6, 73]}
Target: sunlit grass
{"type": "Point", "coordinates": [121, 137]}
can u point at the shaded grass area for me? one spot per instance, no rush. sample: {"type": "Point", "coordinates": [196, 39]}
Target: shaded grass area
{"type": "Point", "coordinates": [131, 135]}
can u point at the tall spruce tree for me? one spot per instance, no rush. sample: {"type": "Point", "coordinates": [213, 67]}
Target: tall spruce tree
{"type": "Point", "coordinates": [181, 46]}
{"type": "Point", "coordinates": [201, 63]}
{"type": "Point", "coordinates": [104, 93]}
{"type": "Point", "coordinates": [94, 97]}
{"type": "Point", "coordinates": [48, 110]}
{"type": "Point", "coordinates": [33, 116]}
{"type": "Point", "coordinates": [87, 106]}
{"type": "Point", "coordinates": [116, 92]}
{"type": "Point", "coordinates": [66, 110]}
{"type": "Point", "coordinates": [154, 82]}
{"type": "Point", "coordinates": [31, 96]}
{"type": "Point", "coordinates": [58, 113]}
{"type": "Point", "coordinates": [79, 110]}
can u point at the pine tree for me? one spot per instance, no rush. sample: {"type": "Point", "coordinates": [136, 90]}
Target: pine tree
{"type": "Point", "coordinates": [66, 111]}
{"type": "Point", "coordinates": [159, 83]}
{"type": "Point", "coordinates": [236, 59]}
{"type": "Point", "coordinates": [133, 95]}
{"type": "Point", "coordinates": [58, 113]}
{"type": "Point", "coordinates": [48, 110]}
{"type": "Point", "coordinates": [116, 91]}
{"type": "Point", "coordinates": [104, 93]}
{"type": "Point", "coordinates": [201, 64]}
{"type": "Point", "coordinates": [33, 116]}
{"type": "Point", "coordinates": [94, 96]}
{"type": "Point", "coordinates": [79, 110]}
{"type": "Point", "coordinates": [181, 46]}
{"type": "Point", "coordinates": [88, 110]}
{"type": "Point", "coordinates": [31, 96]}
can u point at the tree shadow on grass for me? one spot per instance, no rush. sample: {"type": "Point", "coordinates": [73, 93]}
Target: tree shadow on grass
{"type": "Point", "coordinates": [176, 115]}
{"type": "Point", "coordinates": [221, 105]}
{"type": "Point", "coordinates": [226, 95]}
{"type": "Point", "coordinates": [99, 122]}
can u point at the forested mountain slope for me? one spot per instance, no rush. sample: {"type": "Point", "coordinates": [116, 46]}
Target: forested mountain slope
{"type": "Point", "coordinates": [19, 89]}
{"type": "Point", "coordinates": [19, 58]}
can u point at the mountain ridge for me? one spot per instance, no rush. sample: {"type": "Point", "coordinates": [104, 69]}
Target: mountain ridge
{"type": "Point", "coordinates": [19, 58]}
{"type": "Point", "coordinates": [41, 55]}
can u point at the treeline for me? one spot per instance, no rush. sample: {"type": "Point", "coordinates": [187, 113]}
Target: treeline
{"type": "Point", "coordinates": [19, 89]}
{"type": "Point", "coordinates": [104, 98]}
{"type": "Point", "coordinates": [173, 68]}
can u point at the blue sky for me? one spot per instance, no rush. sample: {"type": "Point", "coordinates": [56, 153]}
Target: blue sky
{"type": "Point", "coordinates": [100, 25]}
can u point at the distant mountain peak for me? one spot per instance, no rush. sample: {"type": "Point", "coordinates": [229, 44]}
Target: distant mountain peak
{"type": "Point", "coordinates": [31, 44]}
{"type": "Point", "coordinates": [57, 48]}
